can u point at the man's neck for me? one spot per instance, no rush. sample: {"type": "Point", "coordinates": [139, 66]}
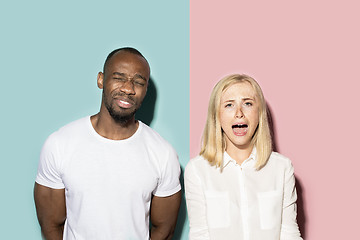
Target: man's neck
{"type": "Point", "coordinates": [107, 127]}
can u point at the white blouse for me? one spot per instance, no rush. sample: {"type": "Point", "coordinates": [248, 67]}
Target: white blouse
{"type": "Point", "coordinates": [239, 202]}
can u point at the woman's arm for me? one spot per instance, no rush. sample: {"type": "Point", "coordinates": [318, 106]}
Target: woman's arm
{"type": "Point", "coordinates": [289, 226]}
{"type": "Point", "coordinates": [196, 205]}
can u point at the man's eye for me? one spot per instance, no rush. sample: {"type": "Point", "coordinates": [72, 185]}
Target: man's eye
{"type": "Point", "coordinates": [119, 79]}
{"type": "Point", "coordinates": [139, 83]}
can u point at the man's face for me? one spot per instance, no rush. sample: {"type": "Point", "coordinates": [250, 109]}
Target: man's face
{"type": "Point", "coordinates": [124, 83]}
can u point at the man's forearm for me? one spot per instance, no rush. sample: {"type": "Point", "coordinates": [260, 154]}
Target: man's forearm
{"type": "Point", "coordinates": [161, 233]}
{"type": "Point", "coordinates": [52, 233]}
{"type": "Point", "coordinates": [164, 212]}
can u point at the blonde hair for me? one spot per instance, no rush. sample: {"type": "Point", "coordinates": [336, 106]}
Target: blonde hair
{"type": "Point", "coordinates": [213, 140]}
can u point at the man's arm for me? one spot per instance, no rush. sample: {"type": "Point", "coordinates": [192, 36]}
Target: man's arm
{"type": "Point", "coordinates": [51, 211]}
{"type": "Point", "coordinates": [163, 215]}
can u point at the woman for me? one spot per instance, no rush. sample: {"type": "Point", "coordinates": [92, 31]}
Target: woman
{"type": "Point", "coordinates": [237, 188]}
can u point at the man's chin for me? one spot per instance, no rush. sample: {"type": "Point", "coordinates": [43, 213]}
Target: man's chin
{"type": "Point", "coordinates": [122, 118]}
{"type": "Point", "coordinates": [122, 115]}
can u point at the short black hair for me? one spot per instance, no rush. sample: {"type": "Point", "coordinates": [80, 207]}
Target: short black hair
{"type": "Point", "coordinates": [125, 49]}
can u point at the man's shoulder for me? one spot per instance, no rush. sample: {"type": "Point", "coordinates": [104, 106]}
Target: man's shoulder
{"type": "Point", "coordinates": [71, 129]}
{"type": "Point", "coordinates": [152, 136]}
{"type": "Point", "coordinates": [65, 139]}
{"type": "Point", "coordinates": [161, 150]}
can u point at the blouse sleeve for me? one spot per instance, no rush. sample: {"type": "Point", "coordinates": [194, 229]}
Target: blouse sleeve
{"type": "Point", "coordinates": [289, 226]}
{"type": "Point", "coordinates": [196, 205]}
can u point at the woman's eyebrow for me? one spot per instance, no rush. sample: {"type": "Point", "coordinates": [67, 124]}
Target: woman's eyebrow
{"type": "Point", "coordinates": [248, 98]}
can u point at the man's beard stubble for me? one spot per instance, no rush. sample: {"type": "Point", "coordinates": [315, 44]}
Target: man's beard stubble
{"type": "Point", "coordinates": [121, 118]}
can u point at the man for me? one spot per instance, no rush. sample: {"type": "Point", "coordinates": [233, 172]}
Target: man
{"type": "Point", "coordinates": [99, 176]}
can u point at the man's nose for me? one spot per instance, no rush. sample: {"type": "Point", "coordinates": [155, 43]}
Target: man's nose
{"type": "Point", "coordinates": [128, 87]}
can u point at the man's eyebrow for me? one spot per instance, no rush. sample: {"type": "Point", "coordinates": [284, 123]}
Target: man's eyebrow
{"type": "Point", "coordinates": [120, 74]}
{"type": "Point", "coordinates": [140, 76]}
{"type": "Point", "coordinates": [124, 75]}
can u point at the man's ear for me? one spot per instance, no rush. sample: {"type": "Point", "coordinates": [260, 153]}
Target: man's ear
{"type": "Point", "coordinates": [100, 80]}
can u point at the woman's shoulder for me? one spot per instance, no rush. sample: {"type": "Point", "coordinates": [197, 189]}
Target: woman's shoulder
{"type": "Point", "coordinates": [279, 160]}
{"type": "Point", "coordinates": [196, 161]}
{"type": "Point", "coordinates": [279, 157]}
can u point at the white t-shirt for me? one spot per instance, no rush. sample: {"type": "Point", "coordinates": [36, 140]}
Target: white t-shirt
{"type": "Point", "coordinates": [108, 183]}
{"type": "Point", "coordinates": [239, 202]}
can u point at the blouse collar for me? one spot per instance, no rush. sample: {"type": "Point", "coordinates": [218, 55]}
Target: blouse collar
{"type": "Point", "coordinates": [227, 159]}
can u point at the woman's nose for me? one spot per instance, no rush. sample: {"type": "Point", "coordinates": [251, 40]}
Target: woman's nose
{"type": "Point", "coordinates": [239, 113]}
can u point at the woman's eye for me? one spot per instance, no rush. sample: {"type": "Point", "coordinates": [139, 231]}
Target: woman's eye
{"type": "Point", "coordinates": [228, 105]}
{"type": "Point", "coordinates": [248, 104]}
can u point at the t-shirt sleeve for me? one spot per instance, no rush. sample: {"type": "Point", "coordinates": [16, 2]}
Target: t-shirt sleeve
{"type": "Point", "coordinates": [169, 182]}
{"type": "Point", "coordinates": [49, 174]}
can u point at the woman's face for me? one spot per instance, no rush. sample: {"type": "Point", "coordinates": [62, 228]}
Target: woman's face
{"type": "Point", "coordinates": [239, 115]}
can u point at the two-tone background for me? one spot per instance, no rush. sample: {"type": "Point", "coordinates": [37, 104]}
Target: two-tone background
{"type": "Point", "coordinates": [304, 54]}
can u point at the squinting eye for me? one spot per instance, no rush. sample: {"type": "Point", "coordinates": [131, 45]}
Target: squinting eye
{"type": "Point", "coordinates": [120, 79]}
{"type": "Point", "coordinates": [140, 83]}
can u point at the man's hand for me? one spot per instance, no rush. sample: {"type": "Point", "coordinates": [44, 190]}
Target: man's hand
{"type": "Point", "coordinates": [51, 211]}
{"type": "Point", "coordinates": [164, 212]}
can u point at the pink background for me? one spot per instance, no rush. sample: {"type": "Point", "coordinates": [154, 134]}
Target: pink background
{"type": "Point", "coordinates": [305, 55]}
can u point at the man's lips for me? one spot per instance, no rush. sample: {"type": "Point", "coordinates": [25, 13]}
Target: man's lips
{"type": "Point", "coordinates": [124, 102]}
{"type": "Point", "coordinates": [240, 129]}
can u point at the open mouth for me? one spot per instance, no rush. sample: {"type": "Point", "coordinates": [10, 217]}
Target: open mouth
{"type": "Point", "coordinates": [239, 126]}
{"type": "Point", "coordinates": [240, 129]}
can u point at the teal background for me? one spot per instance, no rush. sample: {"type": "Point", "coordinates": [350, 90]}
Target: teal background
{"type": "Point", "coordinates": [50, 55]}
